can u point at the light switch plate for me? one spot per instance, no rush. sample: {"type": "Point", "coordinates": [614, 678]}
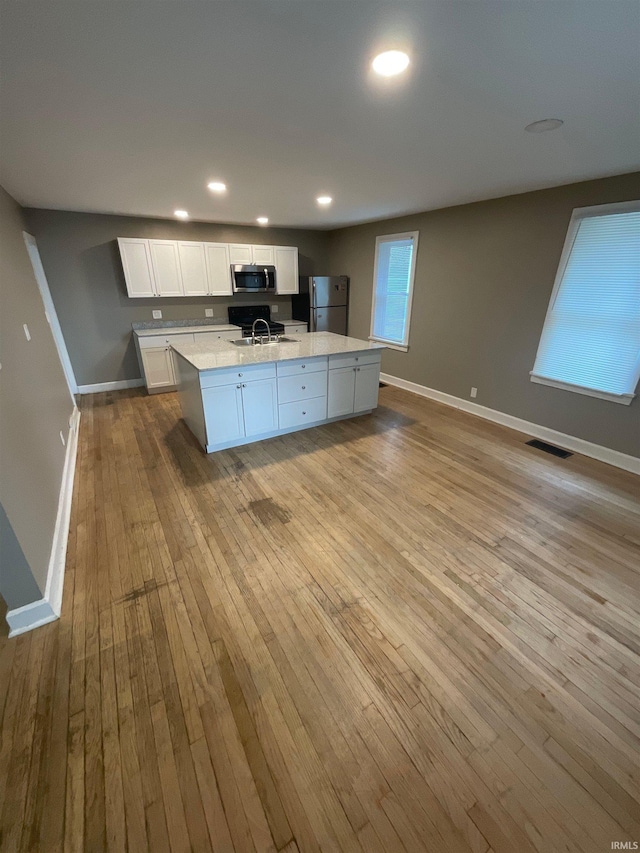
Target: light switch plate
{"type": "Point", "coordinates": [474, 392]}
{"type": "Point", "coordinates": [274, 309]}
{"type": "Point", "coordinates": [27, 333]}
{"type": "Point", "coordinates": [157, 315]}
{"type": "Point", "coordinates": [208, 312]}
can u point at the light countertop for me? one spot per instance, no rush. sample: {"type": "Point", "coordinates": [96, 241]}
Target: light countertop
{"type": "Point", "coordinates": [209, 356]}
{"type": "Point", "coordinates": [183, 330]}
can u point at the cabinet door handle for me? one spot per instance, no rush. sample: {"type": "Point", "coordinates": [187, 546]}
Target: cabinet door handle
{"type": "Point", "coordinates": [303, 366]}
{"type": "Point", "coordinates": [244, 386]}
{"type": "Point", "coordinates": [304, 413]}
{"type": "Point", "coordinates": [239, 374]}
{"type": "Point", "coordinates": [304, 387]}
{"type": "Point", "coordinates": [238, 386]}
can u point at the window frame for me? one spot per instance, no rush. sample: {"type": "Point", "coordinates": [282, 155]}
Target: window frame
{"type": "Point", "coordinates": [391, 238]}
{"type": "Point", "coordinates": [578, 215]}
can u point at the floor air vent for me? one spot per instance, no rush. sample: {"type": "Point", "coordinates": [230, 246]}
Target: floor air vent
{"type": "Point", "coordinates": [549, 448]}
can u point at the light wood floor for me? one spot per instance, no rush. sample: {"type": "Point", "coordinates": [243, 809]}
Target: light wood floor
{"type": "Point", "coordinates": [403, 632]}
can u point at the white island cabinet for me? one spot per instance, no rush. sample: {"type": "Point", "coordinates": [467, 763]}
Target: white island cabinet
{"type": "Point", "coordinates": [235, 395]}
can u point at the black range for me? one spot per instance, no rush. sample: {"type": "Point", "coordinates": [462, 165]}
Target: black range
{"type": "Point", "coordinates": [244, 316]}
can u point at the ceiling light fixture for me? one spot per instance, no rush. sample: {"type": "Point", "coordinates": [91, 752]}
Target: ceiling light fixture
{"type": "Point", "coordinates": [390, 63]}
{"type": "Point", "coordinates": [324, 199]}
{"type": "Point", "coordinates": [544, 125]}
{"type": "Point", "coordinates": [262, 220]}
{"type": "Point", "coordinates": [217, 186]}
{"type": "Point", "coordinates": [181, 214]}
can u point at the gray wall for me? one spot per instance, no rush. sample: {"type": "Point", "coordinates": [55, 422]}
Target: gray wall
{"type": "Point", "coordinates": [17, 584]}
{"type": "Point", "coordinates": [82, 263]}
{"type": "Point", "coordinates": [35, 405]}
{"type": "Point", "coordinates": [484, 276]}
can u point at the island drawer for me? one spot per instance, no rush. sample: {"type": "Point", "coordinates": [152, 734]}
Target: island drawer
{"type": "Point", "coordinates": [356, 359]}
{"type": "Point", "coordinates": [302, 412]}
{"type": "Point", "coordinates": [302, 386]}
{"type": "Point", "coordinates": [242, 373]}
{"type": "Point", "coordinates": [297, 366]}
{"type": "Point", "coordinates": [149, 341]}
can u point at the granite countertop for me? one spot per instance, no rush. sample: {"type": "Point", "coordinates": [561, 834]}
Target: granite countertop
{"type": "Point", "coordinates": [209, 356]}
{"type": "Point", "coordinates": [171, 329]}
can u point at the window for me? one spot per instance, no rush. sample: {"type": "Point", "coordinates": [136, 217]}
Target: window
{"type": "Point", "coordinates": [393, 288]}
{"type": "Point", "coordinates": [590, 342]}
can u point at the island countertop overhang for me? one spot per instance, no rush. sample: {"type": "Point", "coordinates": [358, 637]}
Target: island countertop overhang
{"type": "Point", "coordinates": [220, 354]}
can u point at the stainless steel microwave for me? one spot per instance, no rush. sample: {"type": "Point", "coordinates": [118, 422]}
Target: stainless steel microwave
{"type": "Point", "coordinates": [250, 278]}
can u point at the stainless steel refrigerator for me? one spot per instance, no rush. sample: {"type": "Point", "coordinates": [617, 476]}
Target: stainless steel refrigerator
{"type": "Point", "coordinates": [323, 303]}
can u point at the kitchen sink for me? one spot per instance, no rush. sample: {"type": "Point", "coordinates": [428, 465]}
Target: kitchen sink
{"type": "Point", "coordinates": [258, 342]}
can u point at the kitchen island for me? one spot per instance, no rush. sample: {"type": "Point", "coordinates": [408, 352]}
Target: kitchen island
{"type": "Point", "coordinates": [232, 395]}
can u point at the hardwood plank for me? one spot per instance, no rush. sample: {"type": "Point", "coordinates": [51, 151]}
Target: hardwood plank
{"type": "Point", "coordinates": [401, 632]}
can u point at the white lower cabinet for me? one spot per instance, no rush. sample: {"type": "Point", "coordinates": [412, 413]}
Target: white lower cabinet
{"type": "Point", "coordinates": [342, 383]}
{"type": "Point", "coordinates": [157, 363]}
{"type": "Point", "coordinates": [209, 337]}
{"type": "Point", "coordinates": [260, 406]}
{"type": "Point", "coordinates": [367, 387]}
{"type": "Point", "coordinates": [241, 410]}
{"type": "Point", "coordinates": [353, 384]}
{"type": "Point", "coordinates": [301, 329]}
{"type": "Point", "coordinates": [223, 413]}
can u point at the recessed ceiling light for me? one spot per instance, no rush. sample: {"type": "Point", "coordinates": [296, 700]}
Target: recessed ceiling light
{"type": "Point", "coordinates": [390, 62]}
{"type": "Point", "coordinates": [181, 214]}
{"type": "Point", "coordinates": [324, 199]}
{"type": "Point", "coordinates": [262, 220]}
{"type": "Point", "coordinates": [217, 186]}
{"type": "Point", "coordinates": [544, 125]}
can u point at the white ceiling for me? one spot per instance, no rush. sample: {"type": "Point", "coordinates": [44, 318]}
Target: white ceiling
{"type": "Point", "coordinates": [132, 107]}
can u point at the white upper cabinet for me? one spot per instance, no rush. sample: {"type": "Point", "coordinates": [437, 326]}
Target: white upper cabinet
{"type": "Point", "coordinates": [166, 267]}
{"type": "Point", "coordinates": [286, 261]}
{"type": "Point", "coordinates": [136, 262]}
{"type": "Point", "coordinates": [193, 266]}
{"type": "Point", "coordinates": [240, 253]}
{"type": "Point", "coordinates": [218, 269]}
{"type": "Point", "coordinates": [182, 268]}
{"type": "Point", "coordinates": [262, 255]}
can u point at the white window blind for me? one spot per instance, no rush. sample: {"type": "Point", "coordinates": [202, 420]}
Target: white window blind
{"type": "Point", "coordinates": [590, 342]}
{"type": "Point", "coordinates": [393, 288]}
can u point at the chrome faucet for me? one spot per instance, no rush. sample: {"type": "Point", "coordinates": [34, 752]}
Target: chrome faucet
{"type": "Point", "coordinates": [253, 329]}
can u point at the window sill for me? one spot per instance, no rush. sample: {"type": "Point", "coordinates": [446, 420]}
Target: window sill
{"type": "Point", "coordinates": [399, 347]}
{"type": "Point", "coordinates": [624, 399]}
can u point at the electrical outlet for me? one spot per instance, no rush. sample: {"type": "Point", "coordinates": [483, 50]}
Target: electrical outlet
{"type": "Point", "coordinates": [157, 315]}
{"type": "Point", "coordinates": [474, 392]}
{"type": "Point", "coordinates": [208, 312]}
{"type": "Point", "coordinates": [274, 309]}
{"type": "Point", "coordinates": [27, 333]}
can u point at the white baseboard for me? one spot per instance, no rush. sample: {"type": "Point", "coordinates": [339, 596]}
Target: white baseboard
{"type": "Point", "coordinates": [568, 442]}
{"type": "Point", "coordinates": [120, 385]}
{"type": "Point", "coordinates": [47, 609]}
{"type": "Point", "coordinates": [30, 616]}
